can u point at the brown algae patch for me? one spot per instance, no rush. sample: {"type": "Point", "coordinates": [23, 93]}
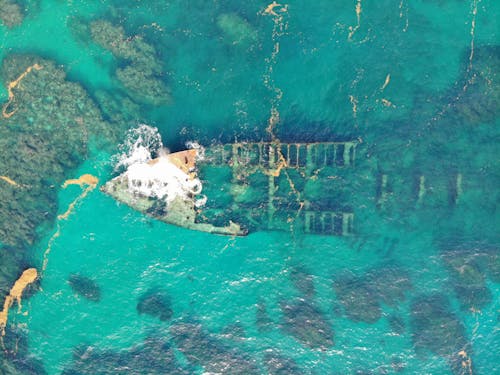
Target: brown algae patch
{"type": "Point", "coordinates": [28, 276]}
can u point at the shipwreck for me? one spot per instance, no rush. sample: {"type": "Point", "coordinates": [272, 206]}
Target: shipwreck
{"type": "Point", "coordinates": [237, 188]}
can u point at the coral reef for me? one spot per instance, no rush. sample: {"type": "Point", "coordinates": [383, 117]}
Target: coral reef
{"type": "Point", "coordinates": [141, 71]}
{"type": "Point", "coordinates": [204, 349]}
{"type": "Point", "coordinates": [52, 123]}
{"type": "Point", "coordinates": [11, 13]}
{"type": "Point", "coordinates": [155, 303]}
{"type": "Point", "coordinates": [307, 324]}
{"type": "Point", "coordinates": [85, 287]}
{"type": "Point", "coordinates": [436, 329]}
{"type": "Point", "coordinates": [154, 357]}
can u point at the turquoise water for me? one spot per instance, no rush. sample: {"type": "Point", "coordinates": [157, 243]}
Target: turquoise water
{"type": "Point", "coordinates": [399, 76]}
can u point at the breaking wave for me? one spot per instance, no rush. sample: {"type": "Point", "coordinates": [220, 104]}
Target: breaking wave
{"type": "Point", "coordinates": [150, 172]}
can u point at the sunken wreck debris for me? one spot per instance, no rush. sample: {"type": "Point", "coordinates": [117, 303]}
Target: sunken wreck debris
{"type": "Point", "coordinates": [264, 186]}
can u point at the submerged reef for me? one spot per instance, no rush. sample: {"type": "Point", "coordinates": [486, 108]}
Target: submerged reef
{"type": "Point", "coordinates": [436, 328]}
{"type": "Point", "coordinates": [262, 319]}
{"type": "Point", "coordinates": [277, 364]}
{"type": "Point", "coordinates": [477, 96]}
{"type": "Point", "coordinates": [362, 296]}
{"type": "Point", "coordinates": [307, 324]}
{"type": "Point", "coordinates": [204, 349]}
{"type": "Point", "coordinates": [236, 29]}
{"type": "Point", "coordinates": [154, 356]}
{"type": "Point", "coordinates": [11, 13]}
{"type": "Point", "coordinates": [85, 287]}
{"type": "Point", "coordinates": [155, 303]}
{"type": "Point", "coordinates": [303, 281]}
{"type": "Point", "coordinates": [470, 264]}
{"type": "Point", "coordinates": [47, 127]}
{"type": "Point", "coordinates": [140, 70]}
{"type": "Point", "coordinates": [356, 296]}
{"type": "Point", "coordinates": [14, 356]}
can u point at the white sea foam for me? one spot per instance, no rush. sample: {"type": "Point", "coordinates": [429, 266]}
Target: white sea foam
{"type": "Point", "coordinates": [160, 178]}
{"type": "Point", "coordinates": [140, 145]}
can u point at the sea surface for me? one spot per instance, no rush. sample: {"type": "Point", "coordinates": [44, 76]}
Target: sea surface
{"type": "Point", "coordinates": [414, 290]}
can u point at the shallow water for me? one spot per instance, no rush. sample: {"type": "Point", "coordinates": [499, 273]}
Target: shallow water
{"type": "Point", "coordinates": [398, 76]}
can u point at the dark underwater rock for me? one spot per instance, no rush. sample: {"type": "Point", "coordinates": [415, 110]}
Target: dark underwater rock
{"type": "Point", "coordinates": [234, 331]}
{"type": "Point", "coordinates": [85, 287]}
{"type": "Point", "coordinates": [477, 96]}
{"type": "Point", "coordinates": [307, 324]}
{"type": "Point", "coordinates": [141, 69]}
{"type": "Point", "coordinates": [155, 303]}
{"type": "Point", "coordinates": [11, 13]}
{"type": "Point", "coordinates": [46, 133]}
{"type": "Point", "coordinates": [397, 324]}
{"type": "Point", "coordinates": [204, 349]}
{"type": "Point", "coordinates": [358, 299]}
{"type": "Point", "coordinates": [278, 364]}
{"type": "Point", "coordinates": [389, 284]}
{"type": "Point", "coordinates": [303, 281]}
{"type": "Point", "coordinates": [362, 296]}
{"type": "Point", "coordinates": [14, 358]}
{"type": "Point", "coordinates": [262, 319]}
{"type": "Point", "coordinates": [468, 269]}
{"type": "Point", "coordinates": [436, 328]}
{"type": "Point", "coordinates": [153, 357]}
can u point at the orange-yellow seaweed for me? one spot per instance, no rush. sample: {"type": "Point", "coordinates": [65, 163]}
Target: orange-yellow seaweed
{"type": "Point", "coordinates": [86, 179]}
{"type": "Point", "coordinates": [270, 8]}
{"type": "Point", "coordinates": [13, 85]}
{"type": "Point", "coordinates": [386, 82]}
{"type": "Point", "coordinates": [27, 277]}
{"type": "Point", "coordinates": [9, 180]}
